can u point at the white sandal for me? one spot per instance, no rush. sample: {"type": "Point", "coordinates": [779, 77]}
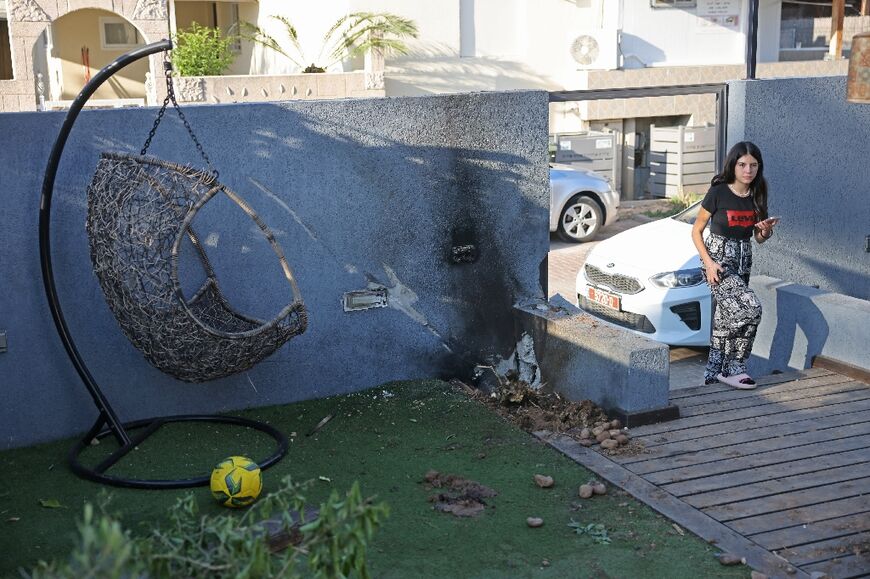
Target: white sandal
{"type": "Point", "coordinates": [739, 381]}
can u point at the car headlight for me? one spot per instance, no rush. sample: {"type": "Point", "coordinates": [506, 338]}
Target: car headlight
{"type": "Point", "coordinates": [681, 278]}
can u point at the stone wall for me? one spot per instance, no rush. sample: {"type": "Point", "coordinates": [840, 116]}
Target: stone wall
{"type": "Point", "coordinates": [439, 203]}
{"type": "Point", "coordinates": [813, 276]}
{"type": "Point", "coordinates": [815, 159]}
{"type": "Point", "coordinates": [28, 20]}
{"type": "Point", "coordinates": [702, 108]}
{"type": "Point", "coordinates": [266, 88]}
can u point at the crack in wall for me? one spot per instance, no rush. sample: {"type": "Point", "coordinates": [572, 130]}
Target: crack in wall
{"type": "Point", "coordinates": [350, 268]}
{"type": "Point", "coordinates": [400, 297]}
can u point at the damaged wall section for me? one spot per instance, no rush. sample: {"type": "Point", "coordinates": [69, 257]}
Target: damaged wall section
{"type": "Point", "coordinates": [583, 358]}
{"type": "Point", "coordinates": [442, 202]}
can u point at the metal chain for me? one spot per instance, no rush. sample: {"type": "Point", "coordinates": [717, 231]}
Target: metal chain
{"type": "Point", "coordinates": [170, 97]}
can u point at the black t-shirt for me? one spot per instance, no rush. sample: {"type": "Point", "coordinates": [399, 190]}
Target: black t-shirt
{"type": "Point", "coordinates": [731, 216]}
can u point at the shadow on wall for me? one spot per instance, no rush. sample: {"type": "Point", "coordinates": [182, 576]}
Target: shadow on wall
{"type": "Point", "coordinates": [838, 278]}
{"type": "Point", "coordinates": [446, 73]}
{"type": "Point", "coordinates": [359, 203]}
{"type": "Point", "coordinates": [441, 202]}
{"type": "Point", "coordinates": [795, 311]}
{"type": "Point", "coordinates": [630, 46]}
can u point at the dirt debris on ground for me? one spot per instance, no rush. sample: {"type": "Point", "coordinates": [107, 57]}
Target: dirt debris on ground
{"type": "Point", "coordinates": [458, 496]}
{"type": "Point", "coordinates": [543, 409]}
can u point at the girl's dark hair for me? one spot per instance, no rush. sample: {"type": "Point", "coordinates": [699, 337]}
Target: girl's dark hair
{"type": "Point", "coordinates": [758, 185]}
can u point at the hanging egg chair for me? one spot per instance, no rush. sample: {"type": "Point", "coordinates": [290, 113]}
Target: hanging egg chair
{"type": "Point", "coordinates": [140, 211]}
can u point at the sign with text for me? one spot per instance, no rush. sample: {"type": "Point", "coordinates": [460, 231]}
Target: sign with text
{"type": "Point", "coordinates": [716, 15]}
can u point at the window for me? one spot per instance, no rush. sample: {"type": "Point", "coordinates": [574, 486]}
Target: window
{"type": "Point", "coordinates": [233, 28]}
{"type": "Point", "coordinates": [118, 34]}
{"type": "Point", "coordinates": [5, 52]}
{"type": "Point", "coordinates": [673, 3]}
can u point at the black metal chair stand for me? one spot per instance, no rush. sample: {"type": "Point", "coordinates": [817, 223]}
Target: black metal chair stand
{"type": "Point", "coordinates": [108, 423]}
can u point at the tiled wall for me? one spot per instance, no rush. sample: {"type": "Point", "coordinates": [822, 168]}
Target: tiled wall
{"type": "Point", "coordinates": [259, 88]}
{"type": "Point", "coordinates": [700, 107]}
{"type": "Point", "coordinates": [29, 19]}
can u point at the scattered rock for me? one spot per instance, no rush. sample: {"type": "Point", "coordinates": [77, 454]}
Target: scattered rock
{"type": "Point", "coordinates": [543, 481]}
{"type": "Point", "coordinates": [609, 444]}
{"type": "Point", "coordinates": [730, 559]}
{"type": "Point", "coordinates": [599, 488]}
{"type": "Point", "coordinates": [602, 436]}
{"type": "Point", "coordinates": [614, 433]}
{"type": "Point", "coordinates": [535, 522]}
{"type": "Point", "coordinates": [586, 491]}
{"type": "Point", "coordinates": [757, 575]}
{"type": "Point", "coordinates": [545, 410]}
{"type": "Point", "coordinates": [621, 439]}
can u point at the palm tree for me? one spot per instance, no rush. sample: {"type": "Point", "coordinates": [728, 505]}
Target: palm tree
{"type": "Point", "coordinates": [350, 36]}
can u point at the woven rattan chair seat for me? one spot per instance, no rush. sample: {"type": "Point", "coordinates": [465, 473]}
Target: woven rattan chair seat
{"type": "Point", "coordinates": [140, 211]}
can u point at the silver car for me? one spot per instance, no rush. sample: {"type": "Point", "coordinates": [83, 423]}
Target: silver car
{"type": "Point", "coordinates": [581, 203]}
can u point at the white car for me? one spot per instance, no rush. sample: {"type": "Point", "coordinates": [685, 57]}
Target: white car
{"type": "Point", "coordinates": [582, 203]}
{"type": "Point", "coordinates": [648, 279]}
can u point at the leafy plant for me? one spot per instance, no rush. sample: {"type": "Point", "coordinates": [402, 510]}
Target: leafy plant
{"type": "Point", "coordinates": [683, 199]}
{"type": "Point", "coordinates": [225, 545]}
{"type": "Point", "coordinates": [104, 549]}
{"type": "Point", "coordinates": [335, 548]}
{"type": "Point", "coordinates": [350, 36]}
{"type": "Point", "coordinates": [596, 531]}
{"type": "Point", "coordinates": [201, 51]}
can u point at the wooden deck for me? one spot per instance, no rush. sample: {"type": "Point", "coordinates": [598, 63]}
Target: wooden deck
{"type": "Point", "coordinates": [779, 475]}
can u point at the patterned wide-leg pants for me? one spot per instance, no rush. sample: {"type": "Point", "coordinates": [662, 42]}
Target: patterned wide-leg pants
{"type": "Point", "coordinates": [737, 310]}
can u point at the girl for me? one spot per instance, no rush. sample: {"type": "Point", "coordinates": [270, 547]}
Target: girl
{"type": "Point", "coordinates": [736, 208]}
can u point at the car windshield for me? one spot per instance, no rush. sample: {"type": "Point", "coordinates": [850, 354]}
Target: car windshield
{"type": "Point", "coordinates": [688, 214]}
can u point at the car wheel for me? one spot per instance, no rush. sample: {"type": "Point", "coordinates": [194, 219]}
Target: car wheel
{"type": "Point", "coordinates": [581, 219]}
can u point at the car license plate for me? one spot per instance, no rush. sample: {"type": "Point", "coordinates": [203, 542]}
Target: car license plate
{"type": "Point", "coordinates": [605, 299]}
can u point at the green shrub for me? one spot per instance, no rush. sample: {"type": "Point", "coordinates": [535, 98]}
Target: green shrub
{"type": "Point", "coordinates": [201, 51]}
{"type": "Point", "coordinates": [683, 199]}
{"type": "Point", "coordinates": [228, 545]}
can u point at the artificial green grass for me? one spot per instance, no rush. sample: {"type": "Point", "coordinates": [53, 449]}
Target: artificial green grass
{"type": "Point", "coordinates": [387, 438]}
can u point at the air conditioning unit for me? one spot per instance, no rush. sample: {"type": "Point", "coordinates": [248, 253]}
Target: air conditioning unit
{"type": "Point", "coordinates": [596, 49]}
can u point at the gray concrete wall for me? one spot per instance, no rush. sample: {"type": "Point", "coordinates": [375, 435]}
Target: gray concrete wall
{"type": "Point", "coordinates": [360, 193]}
{"type": "Point", "coordinates": [801, 322]}
{"type": "Point", "coordinates": [815, 147]}
{"type": "Point", "coordinates": [584, 359]}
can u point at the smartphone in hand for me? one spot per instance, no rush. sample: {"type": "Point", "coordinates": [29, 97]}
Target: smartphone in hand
{"type": "Point", "coordinates": [769, 221]}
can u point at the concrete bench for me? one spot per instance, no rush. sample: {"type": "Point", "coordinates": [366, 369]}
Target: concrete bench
{"type": "Point", "coordinates": [583, 358]}
{"type": "Point", "coordinates": [800, 322]}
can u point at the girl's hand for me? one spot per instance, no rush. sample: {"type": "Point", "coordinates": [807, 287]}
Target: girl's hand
{"type": "Point", "coordinates": [713, 271]}
{"type": "Point", "coordinates": [765, 228]}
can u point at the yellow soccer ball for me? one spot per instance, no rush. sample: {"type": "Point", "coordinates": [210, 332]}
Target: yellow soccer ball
{"type": "Point", "coordinates": [236, 481]}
